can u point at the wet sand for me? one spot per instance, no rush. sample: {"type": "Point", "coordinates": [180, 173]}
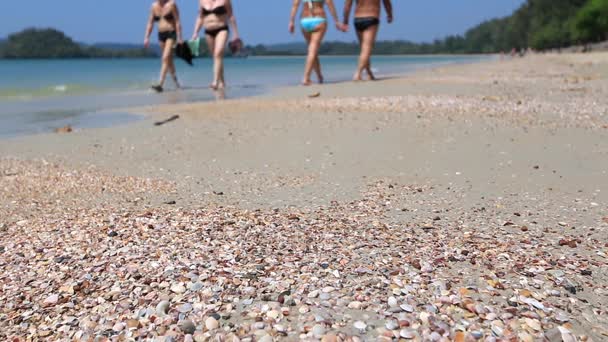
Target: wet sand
{"type": "Point", "coordinates": [460, 203]}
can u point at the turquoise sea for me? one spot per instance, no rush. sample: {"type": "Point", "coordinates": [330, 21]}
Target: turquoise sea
{"type": "Point", "coordinates": [40, 95]}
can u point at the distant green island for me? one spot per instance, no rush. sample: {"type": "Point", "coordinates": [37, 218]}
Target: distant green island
{"type": "Point", "coordinates": [537, 24]}
{"type": "Point", "coordinates": [51, 43]}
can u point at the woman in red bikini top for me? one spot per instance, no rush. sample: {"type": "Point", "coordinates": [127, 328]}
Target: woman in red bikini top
{"type": "Point", "coordinates": [216, 16]}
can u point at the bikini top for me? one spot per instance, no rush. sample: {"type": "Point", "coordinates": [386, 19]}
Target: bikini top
{"type": "Point", "coordinates": [168, 17]}
{"type": "Point", "coordinates": [220, 10]}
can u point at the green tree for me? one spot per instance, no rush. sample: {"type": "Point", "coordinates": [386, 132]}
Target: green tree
{"type": "Point", "coordinates": [41, 43]}
{"type": "Point", "coordinates": [51, 43]}
{"type": "Point", "coordinates": [591, 23]}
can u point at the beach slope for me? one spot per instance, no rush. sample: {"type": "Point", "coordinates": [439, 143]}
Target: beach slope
{"type": "Point", "coordinates": [458, 203]}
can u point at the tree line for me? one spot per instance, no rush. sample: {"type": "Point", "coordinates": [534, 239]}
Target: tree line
{"type": "Point", "coordinates": [51, 43]}
{"type": "Point", "coordinates": [537, 24]}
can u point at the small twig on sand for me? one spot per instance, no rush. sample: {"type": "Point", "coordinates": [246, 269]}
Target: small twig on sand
{"type": "Point", "coordinates": [173, 118]}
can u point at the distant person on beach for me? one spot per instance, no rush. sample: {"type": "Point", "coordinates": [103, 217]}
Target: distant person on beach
{"type": "Point", "coordinates": [313, 23]}
{"type": "Point", "coordinates": [367, 22]}
{"type": "Point", "coordinates": [166, 14]}
{"type": "Point", "coordinates": [216, 16]}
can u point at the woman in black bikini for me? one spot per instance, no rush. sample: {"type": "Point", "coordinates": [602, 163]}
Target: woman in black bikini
{"type": "Point", "coordinates": [216, 16]}
{"type": "Point", "coordinates": [166, 13]}
{"type": "Point", "coordinates": [367, 14]}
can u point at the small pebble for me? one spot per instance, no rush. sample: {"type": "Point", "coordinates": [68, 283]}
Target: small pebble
{"type": "Point", "coordinates": [187, 326]}
{"type": "Point", "coordinates": [51, 300]}
{"type": "Point", "coordinates": [266, 338]}
{"type": "Point", "coordinates": [162, 308]}
{"type": "Point", "coordinates": [392, 325]}
{"type": "Point", "coordinates": [407, 333]}
{"type": "Point", "coordinates": [274, 314]}
{"type": "Point", "coordinates": [178, 288]}
{"type": "Point", "coordinates": [318, 330]}
{"type": "Point", "coordinates": [407, 308]}
{"type": "Point", "coordinates": [356, 305]}
{"type": "Point", "coordinates": [392, 301]}
{"type": "Point", "coordinates": [185, 308]}
{"type": "Point", "coordinates": [211, 323]}
{"type": "Point", "coordinates": [361, 326]}
{"type": "Point", "coordinates": [196, 286]}
{"type": "Point", "coordinates": [328, 289]}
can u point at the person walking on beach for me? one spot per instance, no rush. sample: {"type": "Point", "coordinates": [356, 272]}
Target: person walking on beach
{"type": "Point", "coordinates": [313, 23]}
{"type": "Point", "coordinates": [216, 16]}
{"type": "Point", "coordinates": [367, 22]}
{"type": "Point", "coordinates": [166, 14]}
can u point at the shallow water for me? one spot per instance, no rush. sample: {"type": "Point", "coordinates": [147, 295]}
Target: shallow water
{"type": "Point", "coordinates": [39, 95]}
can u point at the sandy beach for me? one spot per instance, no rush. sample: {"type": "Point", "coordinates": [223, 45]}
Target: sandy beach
{"type": "Point", "coordinates": [461, 203]}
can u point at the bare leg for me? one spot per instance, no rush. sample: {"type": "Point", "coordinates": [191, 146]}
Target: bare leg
{"type": "Point", "coordinates": [317, 68]}
{"type": "Point", "coordinates": [306, 79]}
{"type": "Point", "coordinates": [218, 58]}
{"type": "Point", "coordinates": [171, 65]}
{"type": "Point", "coordinates": [317, 65]}
{"type": "Point", "coordinates": [372, 34]}
{"type": "Point", "coordinates": [211, 45]}
{"type": "Point", "coordinates": [368, 40]}
{"type": "Point", "coordinates": [357, 75]}
{"type": "Point", "coordinates": [174, 75]}
{"type": "Point", "coordinates": [166, 56]}
{"type": "Point", "coordinates": [314, 40]}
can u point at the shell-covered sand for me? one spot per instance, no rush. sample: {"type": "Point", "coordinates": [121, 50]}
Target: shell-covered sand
{"type": "Point", "coordinates": [457, 204]}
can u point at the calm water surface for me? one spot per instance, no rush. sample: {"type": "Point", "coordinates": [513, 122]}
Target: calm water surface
{"type": "Point", "coordinates": [39, 95]}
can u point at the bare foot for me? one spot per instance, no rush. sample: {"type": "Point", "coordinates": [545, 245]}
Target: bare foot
{"type": "Point", "coordinates": [213, 86]}
{"type": "Point", "coordinates": [306, 82]}
{"type": "Point", "coordinates": [321, 79]}
{"type": "Point", "coordinates": [219, 94]}
{"type": "Point", "coordinates": [370, 74]}
{"type": "Point", "coordinates": [221, 85]}
{"type": "Point", "coordinates": [357, 77]}
{"type": "Point", "coordinates": [157, 87]}
{"type": "Point", "coordinates": [177, 85]}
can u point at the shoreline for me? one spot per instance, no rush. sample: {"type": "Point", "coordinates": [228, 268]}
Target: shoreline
{"type": "Point", "coordinates": [257, 56]}
{"type": "Point", "coordinates": [299, 92]}
{"type": "Point", "coordinates": [461, 202]}
{"type": "Point", "coordinates": [186, 95]}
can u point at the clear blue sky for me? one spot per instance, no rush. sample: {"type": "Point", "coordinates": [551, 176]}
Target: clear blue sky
{"type": "Point", "coordinates": [261, 21]}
